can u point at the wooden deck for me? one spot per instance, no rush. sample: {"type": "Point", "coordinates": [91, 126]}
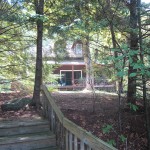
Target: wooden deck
{"type": "Point", "coordinates": [70, 88]}
{"type": "Point", "coordinates": [108, 88]}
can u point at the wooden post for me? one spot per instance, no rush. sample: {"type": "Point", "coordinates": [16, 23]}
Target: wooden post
{"type": "Point", "coordinates": [44, 105]}
{"type": "Point", "coordinates": [52, 120]}
{"type": "Point", "coordinates": [62, 140]}
{"type": "Point", "coordinates": [75, 143]}
{"type": "Point", "coordinates": [57, 132]}
{"type": "Point", "coordinates": [70, 141]}
{"type": "Point", "coordinates": [72, 74]}
{"type": "Point", "coordinates": [48, 112]}
{"type": "Point", "coordinates": [89, 148]}
{"type": "Point", "coordinates": [67, 148]}
{"type": "Point", "coordinates": [82, 145]}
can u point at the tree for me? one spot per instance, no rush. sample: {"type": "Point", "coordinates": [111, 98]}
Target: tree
{"type": "Point", "coordinates": [39, 8]}
{"type": "Point", "coordinates": [88, 64]}
{"type": "Point", "coordinates": [143, 76]}
{"type": "Point", "coordinates": [13, 42]}
{"type": "Point", "coordinates": [60, 49]}
{"type": "Point", "coordinates": [131, 95]}
{"type": "Point", "coordinates": [81, 30]}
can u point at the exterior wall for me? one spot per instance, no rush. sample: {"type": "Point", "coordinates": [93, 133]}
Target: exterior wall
{"type": "Point", "coordinates": [70, 74]}
{"type": "Point", "coordinates": [69, 67]}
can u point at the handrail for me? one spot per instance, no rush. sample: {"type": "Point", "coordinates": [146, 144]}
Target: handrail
{"type": "Point", "coordinates": [69, 136]}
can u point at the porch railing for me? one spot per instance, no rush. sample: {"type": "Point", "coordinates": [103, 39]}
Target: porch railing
{"type": "Point", "coordinates": [96, 81]}
{"type": "Point", "coordinates": [69, 136]}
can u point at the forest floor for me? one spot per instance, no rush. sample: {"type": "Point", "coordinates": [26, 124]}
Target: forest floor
{"type": "Point", "coordinates": [103, 122]}
{"type": "Point", "coordinates": [25, 113]}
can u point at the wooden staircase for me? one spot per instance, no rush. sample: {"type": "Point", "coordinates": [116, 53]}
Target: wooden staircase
{"type": "Point", "coordinates": [26, 135]}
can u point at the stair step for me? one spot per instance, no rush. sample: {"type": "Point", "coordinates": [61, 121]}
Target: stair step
{"type": "Point", "coordinates": [23, 127]}
{"type": "Point", "coordinates": [26, 135]}
{"type": "Point", "coordinates": [47, 148]}
{"type": "Point", "coordinates": [28, 142]}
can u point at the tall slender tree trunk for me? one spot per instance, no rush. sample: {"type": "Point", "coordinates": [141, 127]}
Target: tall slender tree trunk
{"type": "Point", "coordinates": [146, 101]}
{"type": "Point", "coordinates": [119, 83]}
{"type": "Point", "coordinates": [88, 64]}
{"type": "Point", "coordinates": [131, 93]}
{"type": "Point", "coordinates": [39, 7]}
{"type": "Point", "coordinates": [111, 26]}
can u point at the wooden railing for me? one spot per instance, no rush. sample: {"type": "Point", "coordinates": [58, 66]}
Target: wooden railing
{"type": "Point", "coordinates": [69, 136]}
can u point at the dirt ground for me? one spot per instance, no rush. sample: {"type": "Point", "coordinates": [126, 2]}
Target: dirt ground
{"type": "Point", "coordinates": [25, 113]}
{"type": "Point", "coordinates": [97, 114]}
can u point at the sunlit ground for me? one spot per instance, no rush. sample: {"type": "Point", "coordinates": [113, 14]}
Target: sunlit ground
{"type": "Point", "coordinates": [87, 91]}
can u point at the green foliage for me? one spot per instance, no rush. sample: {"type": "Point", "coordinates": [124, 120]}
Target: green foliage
{"type": "Point", "coordinates": [132, 75]}
{"type": "Point", "coordinates": [133, 107]}
{"type": "Point", "coordinates": [107, 128]}
{"type": "Point", "coordinates": [60, 49]}
{"type": "Point", "coordinates": [14, 44]}
{"type": "Point", "coordinates": [36, 17]}
{"type": "Point", "coordinates": [48, 76]}
{"type": "Point", "coordinates": [123, 138]}
{"type": "Point", "coordinates": [111, 142]}
{"type": "Point", "coordinates": [121, 73]}
{"type": "Point", "coordinates": [71, 19]}
{"type": "Point", "coordinates": [103, 71]}
{"type": "Point", "coordinates": [52, 89]}
{"type": "Point", "coordinates": [5, 85]}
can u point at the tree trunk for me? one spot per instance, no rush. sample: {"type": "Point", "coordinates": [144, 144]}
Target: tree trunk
{"type": "Point", "coordinates": [39, 7]}
{"type": "Point", "coordinates": [131, 93]}
{"type": "Point", "coordinates": [113, 37]}
{"type": "Point", "coordinates": [88, 64]}
{"type": "Point", "coordinates": [146, 101]}
{"type": "Point", "coordinates": [119, 82]}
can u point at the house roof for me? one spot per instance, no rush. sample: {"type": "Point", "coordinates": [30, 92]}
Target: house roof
{"type": "Point", "coordinates": [70, 53]}
{"type": "Point", "coordinates": [65, 62]}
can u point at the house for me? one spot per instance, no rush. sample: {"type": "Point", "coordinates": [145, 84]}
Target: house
{"type": "Point", "coordinates": [72, 67]}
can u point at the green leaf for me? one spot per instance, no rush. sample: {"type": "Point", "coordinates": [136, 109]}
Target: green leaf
{"type": "Point", "coordinates": [111, 142]}
{"type": "Point", "coordinates": [105, 62]}
{"type": "Point", "coordinates": [148, 73]}
{"type": "Point", "coordinates": [143, 72]}
{"type": "Point", "coordinates": [111, 58]}
{"type": "Point", "coordinates": [120, 57]}
{"type": "Point", "coordinates": [130, 60]}
{"type": "Point", "coordinates": [132, 75]}
{"type": "Point", "coordinates": [123, 138]}
{"type": "Point", "coordinates": [133, 107]}
{"type": "Point", "coordinates": [133, 52]}
{"type": "Point", "coordinates": [137, 66]}
{"type": "Point", "coordinates": [107, 129]}
{"type": "Point", "coordinates": [121, 73]}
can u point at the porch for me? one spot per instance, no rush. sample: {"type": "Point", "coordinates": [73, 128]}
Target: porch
{"type": "Point", "coordinates": [70, 74]}
{"type": "Point", "coordinates": [73, 77]}
{"type": "Point", "coordinates": [79, 84]}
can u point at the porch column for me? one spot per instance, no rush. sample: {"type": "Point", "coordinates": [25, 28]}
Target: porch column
{"type": "Point", "coordinates": [60, 75]}
{"type": "Point", "coordinates": [72, 74]}
{"type": "Point", "coordinates": [60, 78]}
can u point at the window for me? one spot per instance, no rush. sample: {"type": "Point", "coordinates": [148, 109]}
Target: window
{"type": "Point", "coordinates": [78, 49]}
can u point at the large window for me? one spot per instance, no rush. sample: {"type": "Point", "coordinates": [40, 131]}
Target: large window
{"type": "Point", "coordinates": [67, 77]}
{"type": "Point", "coordinates": [78, 49]}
